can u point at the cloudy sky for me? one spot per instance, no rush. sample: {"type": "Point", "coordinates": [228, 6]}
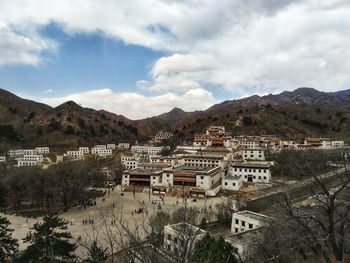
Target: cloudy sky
{"type": "Point", "coordinates": [141, 58]}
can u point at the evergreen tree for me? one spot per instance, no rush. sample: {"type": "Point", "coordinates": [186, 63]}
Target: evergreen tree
{"type": "Point", "coordinates": [2, 194]}
{"type": "Point", "coordinates": [49, 242]}
{"type": "Point", "coordinates": [210, 250]}
{"type": "Point", "coordinates": [96, 254]}
{"type": "Point", "coordinates": [8, 245]}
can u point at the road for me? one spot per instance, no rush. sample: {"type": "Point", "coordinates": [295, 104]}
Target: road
{"type": "Point", "coordinates": [295, 192]}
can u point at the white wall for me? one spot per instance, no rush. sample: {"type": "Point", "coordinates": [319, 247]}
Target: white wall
{"type": "Point", "coordinates": [258, 175]}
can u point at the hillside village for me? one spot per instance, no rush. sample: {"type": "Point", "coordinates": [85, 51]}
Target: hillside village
{"type": "Point", "coordinates": [217, 163]}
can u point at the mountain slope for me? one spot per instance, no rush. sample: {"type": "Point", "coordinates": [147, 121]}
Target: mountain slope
{"type": "Point", "coordinates": [302, 112]}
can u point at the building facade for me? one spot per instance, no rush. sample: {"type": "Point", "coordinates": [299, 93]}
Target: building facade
{"type": "Point", "coordinates": [129, 162]}
{"type": "Point", "coordinates": [255, 173]}
{"type": "Point", "coordinates": [42, 150]}
{"type": "Point", "coordinates": [253, 154]}
{"type": "Point", "coordinates": [85, 150]}
{"type": "Point", "coordinates": [75, 154]}
{"type": "Point", "coordinates": [181, 238]}
{"type": "Point", "coordinates": [232, 182]}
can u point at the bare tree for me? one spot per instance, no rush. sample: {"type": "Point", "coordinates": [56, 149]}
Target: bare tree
{"type": "Point", "coordinates": [321, 225]}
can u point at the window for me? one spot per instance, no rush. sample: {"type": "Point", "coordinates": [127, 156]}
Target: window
{"type": "Point", "coordinates": [225, 183]}
{"type": "Point", "coordinates": [154, 178]}
{"type": "Point", "coordinates": [250, 226]}
{"type": "Point", "coordinates": [202, 177]}
{"type": "Point", "coordinates": [243, 223]}
{"type": "Point", "coordinates": [236, 230]}
{"type": "Point", "coordinates": [233, 184]}
{"type": "Point", "coordinates": [237, 221]}
{"type": "Point", "coordinates": [264, 171]}
{"type": "Point", "coordinates": [167, 175]}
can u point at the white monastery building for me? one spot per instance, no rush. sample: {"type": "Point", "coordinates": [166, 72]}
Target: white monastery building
{"type": "Point", "coordinates": [42, 150]}
{"type": "Point", "coordinates": [75, 154]}
{"type": "Point", "coordinates": [256, 173]}
{"type": "Point", "coordinates": [85, 150]}
{"type": "Point", "coordinates": [181, 238]}
{"type": "Point", "coordinates": [253, 154]}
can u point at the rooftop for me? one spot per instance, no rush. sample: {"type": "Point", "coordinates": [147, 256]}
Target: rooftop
{"type": "Point", "coordinates": [192, 168]}
{"type": "Point", "coordinates": [250, 165]}
{"type": "Point", "coordinates": [232, 177]}
{"type": "Point", "coordinates": [214, 156]}
{"type": "Point", "coordinates": [144, 171]}
{"type": "Point", "coordinates": [245, 237]}
{"type": "Point", "coordinates": [187, 229]}
{"type": "Point", "coordinates": [253, 215]}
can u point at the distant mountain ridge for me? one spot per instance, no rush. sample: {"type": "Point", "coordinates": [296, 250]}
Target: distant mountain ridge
{"type": "Point", "coordinates": [292, 114]}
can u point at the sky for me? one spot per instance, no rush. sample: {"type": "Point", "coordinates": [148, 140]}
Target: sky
{"type": "Point", "coordinates": [141, 58]}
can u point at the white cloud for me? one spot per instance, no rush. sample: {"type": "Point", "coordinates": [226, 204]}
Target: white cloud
{"type": "Point", "coordinates": [49, 91]}
{"type": "Point", "coordinates": [245, 47]}
{"type": "Point", "coordinates": [17, 48]}
{"type": "Point", "coordinates": [135, 105]}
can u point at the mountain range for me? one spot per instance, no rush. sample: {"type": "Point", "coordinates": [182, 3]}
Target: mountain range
{"type": "Point", "coordinates": [291, 115]}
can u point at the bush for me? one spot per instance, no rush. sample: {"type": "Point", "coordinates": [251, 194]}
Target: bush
{"type": "Point", "coordinates": [247, 121]}
{"type": "Point", "coordinates": [69, 130]}
{"type": "Point", "coordinates": [12, 110]}
{"type": "Point", "coordinates": [31, 115]}
{"type": "Point", "coordinates": [54, 125]}
{"type": "Point", "coordinates": [81, 123]}
{"type": "Point", "coordinates": [8, 131]}
{"type": "Point", "coordinates": [39, 131]}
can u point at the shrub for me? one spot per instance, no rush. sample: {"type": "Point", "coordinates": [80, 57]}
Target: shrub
{"type": "Point", "coordinates": [247, 120]}
{"type": "Point", "coordinates": [69, 130]}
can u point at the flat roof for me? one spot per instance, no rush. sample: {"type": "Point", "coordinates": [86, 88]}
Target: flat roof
{"type": "Point", "coordinates": [219, 156]}
{"type": "Point", "coordinates": [192, 168]}
{"type": "Point", "coordinates": [245, 237]}
{"type": "Point", "coordinates": [250, 165]}
{"type": "Point", "coordinates": [187, 229]}
{"type": "Point", "coordinates": [143, 171]}
{"type": "Point", "coordinates": [253, 215]}
{"type": "Point", "coordinates": [232, 177]}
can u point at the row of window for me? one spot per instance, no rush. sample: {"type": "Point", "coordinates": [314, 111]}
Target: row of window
{"type": "Point", "coordinates": [259, 177]}
{"type": "Point", "coordinates": [200, 160]}
{"type": "Point", "coordinates": [251, 170]}
{"type": "Point", "coordinates": [251, 156]}
{"type": "Point", "coordinates": [233, 184]}
{"type": "Point", "coordinates": [250, 226]}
